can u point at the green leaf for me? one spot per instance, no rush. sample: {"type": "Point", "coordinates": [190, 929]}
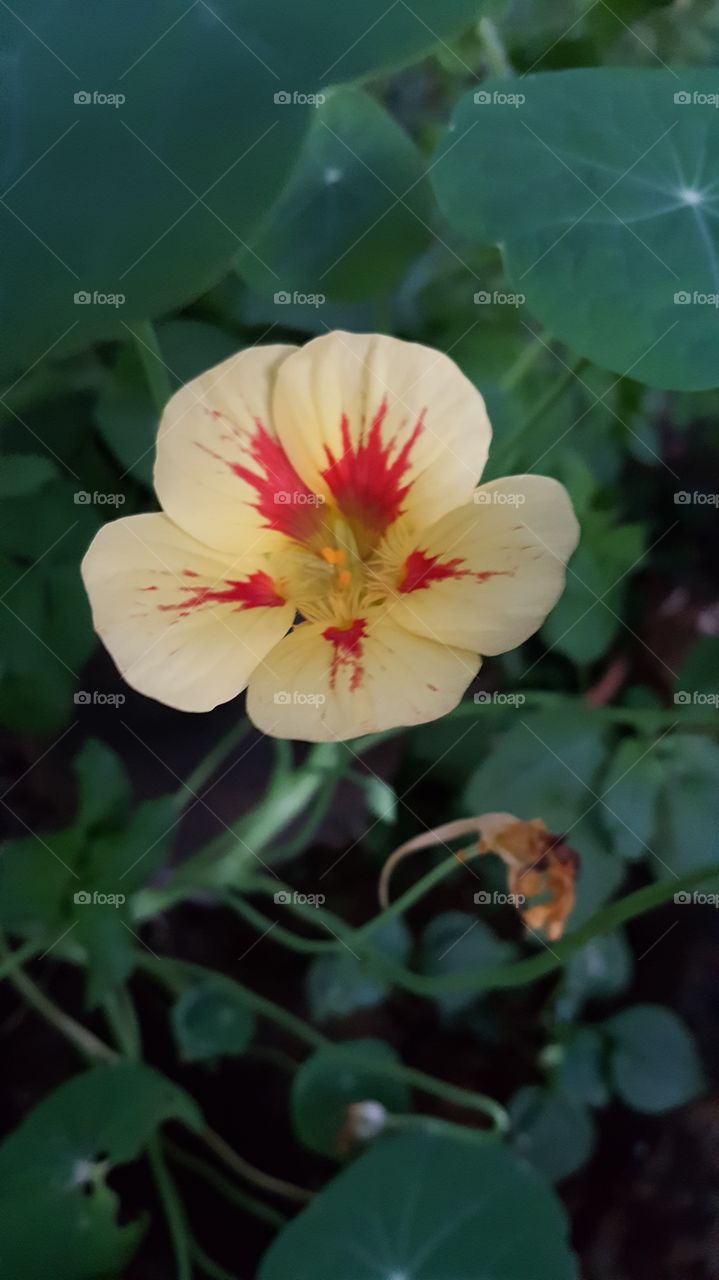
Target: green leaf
{"type": "Point", "coordinates": [361, 180]}
{"type": "Point", "coordinates": [607, 200]}
{"type": "Point", "coordinates": [698, 679]}
{"type": "Point", "coordinates": [173, 182]}
{"type": "Point", "coordinates": [35, 879]}
{"type": "Point", "coordinates": [579, 1072]}
{"type": "Point", "coordinates": [339, 984]}
{"type": "Point", "coordinates": [457, 941]}
{"type": "Point", "coordinates": [542, 767]}
{"type": "Point", "coordinates": [334, 1077]}
{"type": "Point", "coordinates": [550, 1130]}
{"type": "Point", "coordinates": [125, 413]}
{"type": "Point", "coordinates": [210, 1020]}
{"type": "Point", "coordinates": [24, 474]}
{"type": "Point", "coordinates": [109, 945]}
{"type": "Point", "coordinates": [690, 806]}
{"type": "Point", "coordinates": [103, 786]}
{"type": "Point", "coordinates": [599, 970]}
{"type": "Point", "coordinates": [59, 1215]}
{"type": "Point", "coordinates": [427, 1207]}
{"type": "Point", "coordinates": [630, 796]}
{"type": "Point", "coordinates": [588, 616]}
{"type": "Point", "coordinates": [653, 1061]}
{"type": "Point", "coordinates": [123, 861]}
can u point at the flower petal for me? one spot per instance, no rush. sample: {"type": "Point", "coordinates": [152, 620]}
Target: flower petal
{"type": "Point", "coordinates": [221, 473]}
{"type": "Point", "coordinates": [379, 427]}
{"type": "Point", "coordinates": [183, 624]}
{"type": "Point", "coordinates": [323, 683]}
{"type": "Point", "coordinates": [486, 575]}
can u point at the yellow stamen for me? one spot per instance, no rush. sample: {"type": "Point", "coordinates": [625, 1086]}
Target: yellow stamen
{"type": "Point", "coordinates": [333, 555]}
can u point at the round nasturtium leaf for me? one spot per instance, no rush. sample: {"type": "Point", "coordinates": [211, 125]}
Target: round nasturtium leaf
{"type": "Point", "coordinates": [653, 1061]}
{"type": "Point", "coordinates": [58, 1215]}
{"type": "Point", "coordinates": [416, 1207]}
{"type": "Point", "coordinates": [163, 132]}
{"type": "Point", "coordinates": [210, 1020]}
{"type": "Point", "coordinates": [355, 211]}
{"type": "Point", "coordinates": [336, 1076]}
{"type": "Point", "coordinates": [556, 1133]}
{"type": "Point", "coordinates": [598, 183]}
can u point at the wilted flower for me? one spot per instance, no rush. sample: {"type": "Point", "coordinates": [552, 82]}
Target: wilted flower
{"type": "Point", "coordinates": [322, 543]}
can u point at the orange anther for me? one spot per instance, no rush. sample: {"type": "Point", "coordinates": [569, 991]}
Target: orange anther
{"type": "Point", "coordinates": [333, 555]}
{"type": "Point", "coordinates": [344, 577]}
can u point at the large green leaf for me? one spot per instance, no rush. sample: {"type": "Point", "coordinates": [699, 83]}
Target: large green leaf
{"type": "Point", "coordinates": [57, 1212]}
{"type": "Point", "coordinates": [361, 180]}
{"type": "Point", "coordinates": [429, 1208]}
{"type": "Point", "coordinates": [153, 195]}
{"type": "Point", "coordinates": [598, 185]}
{"type": "Point", "coordinates": [555, 1132]}
{"type": "Point", "coordinates": [630, 796]}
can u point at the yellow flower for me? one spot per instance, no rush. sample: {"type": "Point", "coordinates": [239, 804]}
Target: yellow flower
{"type": "Point", "coordinates": [322, 542]}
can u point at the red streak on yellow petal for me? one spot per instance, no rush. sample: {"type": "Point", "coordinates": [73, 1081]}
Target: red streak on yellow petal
{"type": "Point", "coordinates": [258, 591]}
{"type": "Point", "coordinates": [347, 651]}
{"type": "Point", "coordinates": [367, 484]}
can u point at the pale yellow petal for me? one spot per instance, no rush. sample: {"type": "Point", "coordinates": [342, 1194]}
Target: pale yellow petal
{"type": "Point", "coordinates": [379, 427]}
{"type": "Point", "coordinates": [183, 624]}
{"type": "Point", "coordinates": [323, 683]}
{"type": "Point", "coordinates": [486, 575]}
{"type": "Point", "coordinates": [220, 471]}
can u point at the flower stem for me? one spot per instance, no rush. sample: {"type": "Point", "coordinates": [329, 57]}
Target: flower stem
{"type": "Point", "coordinates": [202, 1168]}
{"type": "Point", "coordinates": [174, 1212]}
{"type": "Point", "coordinates": [154, 367]}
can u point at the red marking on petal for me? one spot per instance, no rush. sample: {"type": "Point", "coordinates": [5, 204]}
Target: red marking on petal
{"type": "Point", "coordinates": [421, 569]}
{"type": "Point", "coordinates": [347, 646]}
{"type": "Point", "coordinates": [283, 499]}
{"type": "Point", "coordinates": [367, 483]}
{"type": "Point", "coordinates": [256, 592]}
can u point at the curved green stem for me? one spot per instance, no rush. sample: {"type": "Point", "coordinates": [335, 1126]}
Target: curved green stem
{"type": "Point", "coordinates": [207, 1265]}
{"type": "Point", "coordinates": [174, 1213]}
{"type": "Point", "coordinates": [13, 960]}
{"type": "Point", "coordinates": [210, 763]}
{"type": "Point", "coordinates": [261, 922]}
{"type": "Point", "coordinates": [86, 1042]}
{"type": "Point", "coordinates": [203, 1169]}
